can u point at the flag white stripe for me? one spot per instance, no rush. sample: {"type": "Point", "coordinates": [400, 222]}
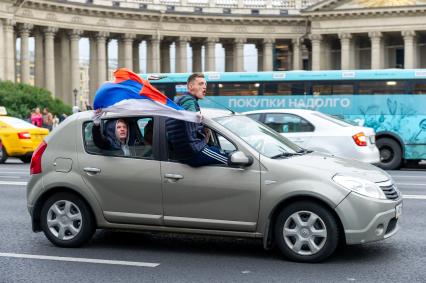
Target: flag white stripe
{"type": "Point", "coordinates": [149, 107]}
{"type": "Point", "coordinates": [216, 154]}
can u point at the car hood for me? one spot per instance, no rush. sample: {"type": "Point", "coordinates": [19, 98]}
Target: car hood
{"type": "Point", "coordinates": [331, 165]}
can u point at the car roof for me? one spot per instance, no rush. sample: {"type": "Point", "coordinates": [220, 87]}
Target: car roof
{"type": "Point", "coordinates": [209, 113]}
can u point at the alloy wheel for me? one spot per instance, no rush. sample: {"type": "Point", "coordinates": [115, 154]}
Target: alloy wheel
{"type": "Point", "coordinates": [64, 220]}
{"type": "Point", "coordinates": [305, 233]}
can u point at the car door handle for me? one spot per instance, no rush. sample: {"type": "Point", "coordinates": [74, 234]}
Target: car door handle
{"type": "Point", "coordinates": [173, 176]}
{"type": "Point", "coordinates": [91, 170]}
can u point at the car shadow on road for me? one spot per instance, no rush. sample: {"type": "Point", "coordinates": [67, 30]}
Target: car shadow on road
{"type": "Point", "coordinates": [227, 246]}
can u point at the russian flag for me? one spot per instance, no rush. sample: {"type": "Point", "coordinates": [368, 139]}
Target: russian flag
{"type": "Point", "coordinates": [130, 94]}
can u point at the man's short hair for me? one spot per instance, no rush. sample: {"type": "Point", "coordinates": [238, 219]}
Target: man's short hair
{"type": "Point", "coordinates": [195, 76]}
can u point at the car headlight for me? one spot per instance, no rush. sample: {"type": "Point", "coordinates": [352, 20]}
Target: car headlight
{"type": "Point", "coordinates": [360, 186]}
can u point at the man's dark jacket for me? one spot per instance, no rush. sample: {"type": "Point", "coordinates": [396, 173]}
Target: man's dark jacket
{"type": "Point", "coordinates": [185, 138]}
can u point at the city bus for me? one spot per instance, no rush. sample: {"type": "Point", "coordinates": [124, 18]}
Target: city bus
{"type": "Point", "coordinates": [392, 101]}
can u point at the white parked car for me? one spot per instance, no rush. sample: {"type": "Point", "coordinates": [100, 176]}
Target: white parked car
{"type": "Point", "coordinates": [314, 130]}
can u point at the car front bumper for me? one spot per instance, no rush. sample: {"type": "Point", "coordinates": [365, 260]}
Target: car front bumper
{"type": "Point", "coordinates": [366, 219]}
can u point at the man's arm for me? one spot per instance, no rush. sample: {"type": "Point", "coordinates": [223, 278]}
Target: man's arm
{"type": "Point", "coordinates": [98, 139]}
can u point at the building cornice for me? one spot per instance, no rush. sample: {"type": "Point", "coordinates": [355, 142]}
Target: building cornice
{"type": "Point", "coordinates": [367, 12]}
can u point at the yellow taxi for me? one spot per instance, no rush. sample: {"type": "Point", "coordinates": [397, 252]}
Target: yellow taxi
{"type": "Point", "coordinates": [19, 138]}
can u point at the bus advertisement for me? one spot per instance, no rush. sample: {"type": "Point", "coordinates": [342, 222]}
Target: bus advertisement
{"type": "Point", "coordinates": [392, 102]}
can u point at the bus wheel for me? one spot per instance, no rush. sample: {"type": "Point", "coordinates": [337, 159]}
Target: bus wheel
{"type": "Point", "coordinates": [390, 154]}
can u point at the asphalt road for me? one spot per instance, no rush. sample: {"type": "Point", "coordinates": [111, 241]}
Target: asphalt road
{"type": "Point", "coordinates": [188, 258]}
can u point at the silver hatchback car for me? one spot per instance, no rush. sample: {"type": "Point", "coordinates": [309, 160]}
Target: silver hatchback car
{"type": "Point", "coordinates": [304, 202]}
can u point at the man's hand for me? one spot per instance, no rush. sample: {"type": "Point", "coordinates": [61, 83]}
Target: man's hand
{"type": "Point", "coordinates": [208, 134]}
{"type": "Point", "coordinates": [97, 117]}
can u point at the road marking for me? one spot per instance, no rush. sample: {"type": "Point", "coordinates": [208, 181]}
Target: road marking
{"type": "Point", "coordinates": [13, 183]}
{"type": "Point", "coordinates": [10, 177]}
{"type": "Point", "coordinates": [410, 184]}
{"type": "Point", "coordinates": [78, 259]}
{"type": "Point", "coordinates": [414, 196]}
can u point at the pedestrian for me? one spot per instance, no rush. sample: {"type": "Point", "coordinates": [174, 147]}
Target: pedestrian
{"type": "Point", "coordinates": [188, 140]}
{"type": "Point", "coordinates": [37, 118]}
{"type": "Point", "coordinates": [47, 119]}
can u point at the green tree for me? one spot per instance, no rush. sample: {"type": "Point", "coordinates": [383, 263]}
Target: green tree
{"type": "Point", "coordinates": [21, 99]}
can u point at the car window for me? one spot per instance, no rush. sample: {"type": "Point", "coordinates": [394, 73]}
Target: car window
{"type": "Point", "coordinates": [138, 143]}
{"type": "Point", "coordinates": [334, 119]}
{"type": "Point", "coordinates": [255, 116]}
{"type": "Point", "coordinates": [288, 123]}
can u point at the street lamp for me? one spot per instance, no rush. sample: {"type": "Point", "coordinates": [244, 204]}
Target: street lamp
{"type": "Point", "coordinates": [75, 91]}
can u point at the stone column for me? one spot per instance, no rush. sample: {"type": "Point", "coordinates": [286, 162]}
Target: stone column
{"type": "Point", "coordinates": [2, 51]}
{"type": "Point", "coordinates": [259, 48]}
{"type": "Point", "coordinates": [24, 31]}
{"type": "Point", "coordinates": [49, 67]}
{"type": "Point", "coordinates": [165, 56]}
{"type": "Point", "coordinates": [229, 57]}
{"type": "Point", "coordinates": [346, 52]}
{"type": "Point", "coordinates": [155, 43]}
{"type": "Point", "coordinates": [377, 61]}
{"type": "Point", "coordinates": [268, 44]}
{"type": "Point", "coordinates": [136, 59]}
{"type": "Point", "coordinates": [93, 67]}
{"type": "Point", "coordinates": [410, 49]}
{"type": "Point", "coordinates": [316, 51]}
{"type": "Point", "coordinates": [297, 54]}
{"type": "Point", "coordinates": [120, 53]}
{"type": "Point", "coordinates": [65, 68]}
{"type": "Point", "coordinates": [182, 54]}
{"type": "Point", "coordinates": [101, 38]}
{"type": "Point", "coordinates": [210, 55]}
{"type": "Point", "coordinates": [127, 50]}
{"type": "Point", "coordinates": [239, 54]}
{"type": "Point", "coordinates": [148, 56]}
{"type": "Point", "coordinates": [9, 50]}
{"type": "Point", "coordinates": [196, 57]}
{"type": "Point", "coordinates": [38, 59]}
{"type": "Point", "coordinates": [75, 62]}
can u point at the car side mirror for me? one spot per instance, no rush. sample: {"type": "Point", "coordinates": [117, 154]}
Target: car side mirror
{"type": "Point", "coordinates": [240, 159]}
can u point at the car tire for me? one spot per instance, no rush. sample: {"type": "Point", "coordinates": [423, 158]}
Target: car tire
{"type": "Point", "coordinates": [25, 159]}
{"type": "Point", "coordinates": [390, 154]}
{"type": "Point", "coordinates": [306, 232]}
{"type": "Point", "coordinates": [67, 220]}
{"type": "Point", "coordinates": [3, 155]}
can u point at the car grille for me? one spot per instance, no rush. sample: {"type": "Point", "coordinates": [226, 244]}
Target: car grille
{"type": "Point", "coordinates": [390, 191]}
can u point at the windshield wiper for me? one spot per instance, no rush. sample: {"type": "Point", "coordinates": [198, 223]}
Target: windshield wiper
{"type": "Point", "coordinates": [285, 154]}
{"type": "Point", "coordinates": [304, 151]}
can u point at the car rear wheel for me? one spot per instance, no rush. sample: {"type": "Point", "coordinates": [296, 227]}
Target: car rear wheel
{"type": "Point", "coordinates": [306, 232]}
{"type": "Point", "coordinates": [67, 221]}
{"type": "Point", "coordinates": [390, 154]}
{"type": "Point", "coordinates": [3, 155]}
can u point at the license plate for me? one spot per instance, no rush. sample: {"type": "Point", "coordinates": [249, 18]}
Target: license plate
{"type": "Point", "coordinates": [398, 210]}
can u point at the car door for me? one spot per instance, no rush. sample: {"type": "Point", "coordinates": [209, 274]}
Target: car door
{"type": "Point", "coordinates": [211, 197]}
{"type": "Point", "coordinates": [292, 126]}
{"type": "Point", "coordinates": [128, 188]}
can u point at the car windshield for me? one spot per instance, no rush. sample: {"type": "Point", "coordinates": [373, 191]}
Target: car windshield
{"type": "Point", "coordinates": [260, 137]}
{"type": "Point", "coordinates": [16, 123]}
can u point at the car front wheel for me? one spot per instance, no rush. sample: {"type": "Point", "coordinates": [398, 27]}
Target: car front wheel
{"type": "Point", "coordinates": [306, 232]}
{"type": "Point", "coordinates": [67, 221]}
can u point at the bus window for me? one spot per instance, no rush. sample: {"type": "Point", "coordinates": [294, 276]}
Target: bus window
{"type": "Point", "coordinates": [168, 89]}
{"type": "Point", "coordinates": [284, 88]}
{"type": "Point", "coordinates": [332, 88]}
{"type": "Point", "coordinates": [419, 87]}
{"type": "Point", "coordinates": [382, 87]}
{"type": "Point", "coordinates": [212, 89]}
{"type": "Point", "coordinates": [246, 89]}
